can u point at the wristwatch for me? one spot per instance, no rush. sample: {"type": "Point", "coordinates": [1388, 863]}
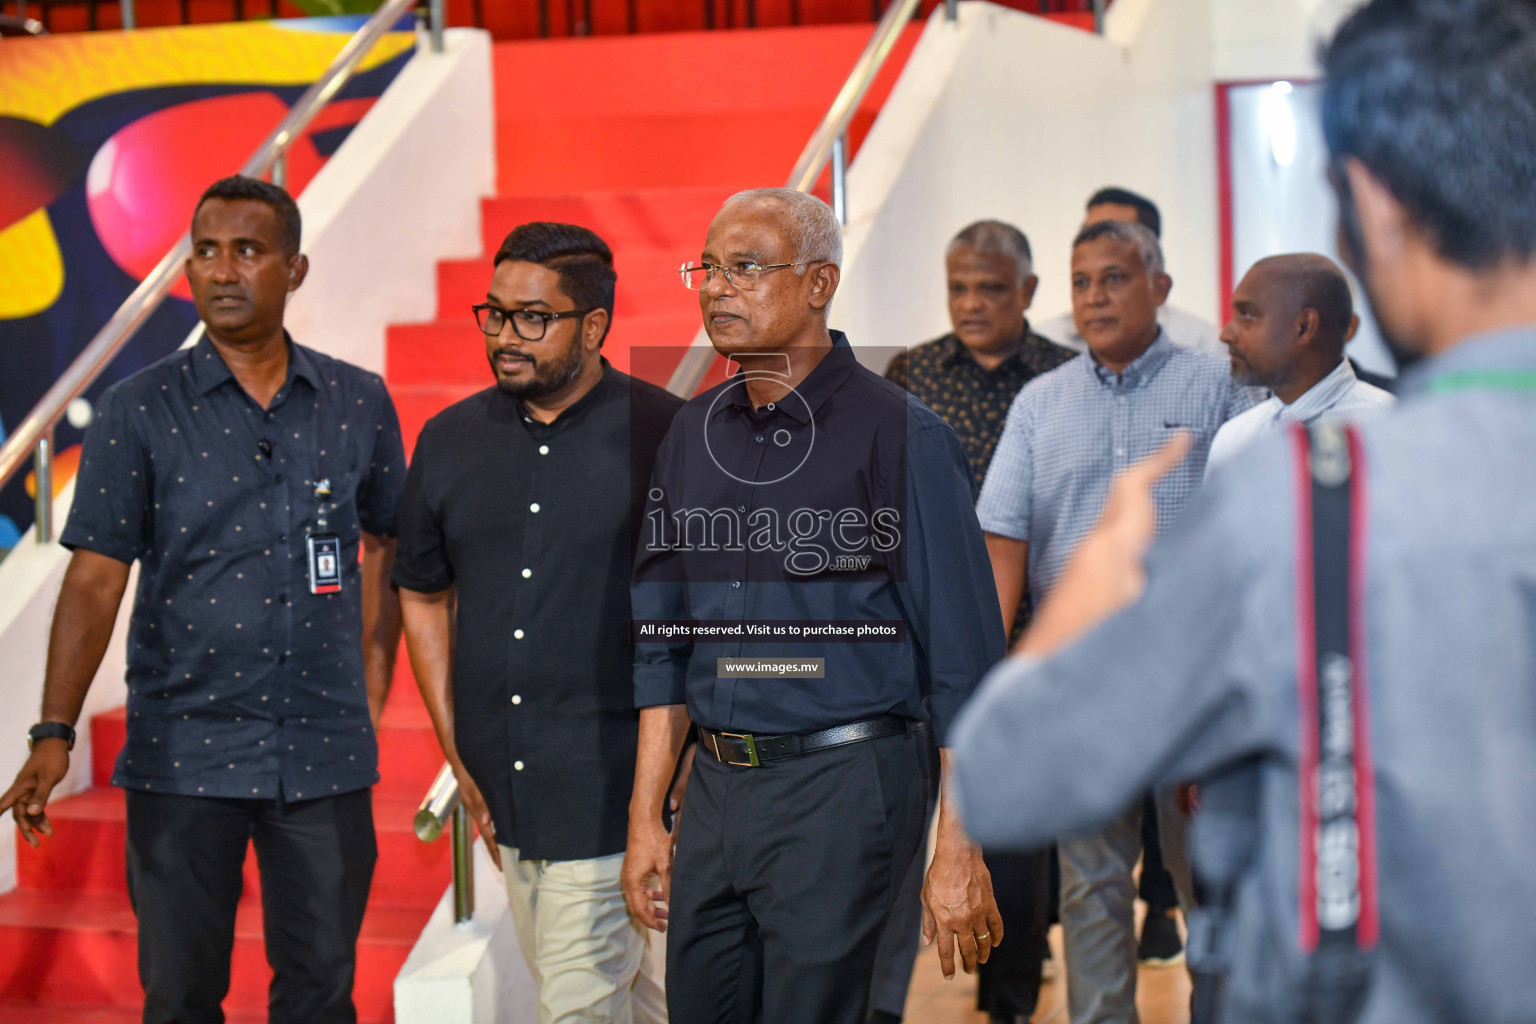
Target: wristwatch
{"type": "Point", "coordinates": [51, 731]}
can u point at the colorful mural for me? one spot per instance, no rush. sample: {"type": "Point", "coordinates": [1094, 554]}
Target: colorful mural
{"type": "Point", "coordinates": [106, 141]}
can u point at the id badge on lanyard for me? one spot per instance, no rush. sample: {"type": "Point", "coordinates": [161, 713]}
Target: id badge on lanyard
{"type": "Point", "coordinates": [324, 549]}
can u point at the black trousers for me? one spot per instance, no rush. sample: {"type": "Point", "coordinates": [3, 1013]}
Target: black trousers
{"type": "Point", "coordinates": [898, 948]}
{"type": "Point", "coordinates": [1008, 984]}
{"type": "Point", "coordinates": [1156, 887]}
{"type": "Point", "coordinates": [783, 880]}
{"type": "Point", "coordinates": [184, 878]}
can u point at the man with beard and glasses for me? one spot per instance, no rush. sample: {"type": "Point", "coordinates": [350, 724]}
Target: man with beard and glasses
{"type": "Point", "coordinates": [1291, 316]}
{"type": "Point", "coordinates": [1394, 886]}
{"type": "Point", "coordinates": [516, 540]}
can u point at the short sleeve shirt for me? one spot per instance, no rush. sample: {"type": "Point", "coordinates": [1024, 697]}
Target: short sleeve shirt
{"type": "Point", "coordinates": [1071, 430]}
{"type": "Point", "coordinates": [241, 683]}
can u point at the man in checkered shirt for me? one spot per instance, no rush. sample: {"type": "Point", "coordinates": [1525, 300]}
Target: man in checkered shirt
{"type": "Point", "coordinates": [1068, 433]}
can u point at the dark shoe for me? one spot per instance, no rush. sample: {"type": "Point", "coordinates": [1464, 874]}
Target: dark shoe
{"type": "Point", "coordinates": [1160, 942]}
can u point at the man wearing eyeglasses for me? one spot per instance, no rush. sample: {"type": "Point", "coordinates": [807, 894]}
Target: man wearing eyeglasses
{"type": "Point", "coordinates": [796, 507]}
{"type": "Point", "coordinates": [513, 569]}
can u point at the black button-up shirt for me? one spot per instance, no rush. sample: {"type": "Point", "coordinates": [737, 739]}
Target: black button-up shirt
{"type": "Point", "coordinates": [971, 398]}
{"type": "Point", "coordinates": [532, 524]}
{"type": "Point", "coordinates": [241, 683]}
{"type": "Point", "coordinates": [846, 500]}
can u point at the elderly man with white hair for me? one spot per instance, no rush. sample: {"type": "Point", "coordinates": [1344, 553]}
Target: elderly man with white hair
{"type": "Point", "coordinates": [1067, 435]}
{"type": "Point", "coordinates": [801, 506]}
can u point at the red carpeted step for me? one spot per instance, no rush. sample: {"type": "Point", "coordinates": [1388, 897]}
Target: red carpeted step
{"type": "Point", "coordinates": [109, 731]}
{"type": "Point", "coordinates": [80, 949]}
{"type": "Point", "coordinates": [651, 111]}
{"type": "Point", "coordinates": [666, 218]}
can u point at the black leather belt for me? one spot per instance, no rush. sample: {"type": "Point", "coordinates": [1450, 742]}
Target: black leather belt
{"type": "Point", "coordinates": [749, 751]}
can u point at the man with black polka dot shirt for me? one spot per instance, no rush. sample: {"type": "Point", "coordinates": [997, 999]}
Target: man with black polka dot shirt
{"type": "Point", "coordinates": [231, 471]}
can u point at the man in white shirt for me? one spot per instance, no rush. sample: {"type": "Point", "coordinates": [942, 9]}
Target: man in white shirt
{"type": "Point", "coordinates": [1291, 317]}
{"type": "Point", "coordinates": [1182, 328]}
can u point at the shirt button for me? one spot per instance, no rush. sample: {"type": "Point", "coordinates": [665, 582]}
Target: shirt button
{"type": "Point", "coordinates": [741, 508]}
{"type": "Point", "coordinates": [517, 634]}
{"type": "Point", "coordinates": [758, 438]}
{"type": "Point", "coordinates": [517, 698]}
{"type": "Point", "coordinates": [282, 659]}
{"type": "Point", "coordinates": [1120, 452]}
{"type": "Point", "coordinates": [527, 573]}
{"type": "Point", "coordinates": [735, 584]}
{"type": "Point", "coordinates": [268, 417]}
{"type": "Point", "coordinates": [543, 449]}
{"type": "Point", "coordinates": [534, 507]}
{"type": "Point", "coordinates": [282, 598]}
{"type": "Point", "coordinates": [283, 537]}
{"type": "Point", "coordinates": [280, 719]}
{"type": "Point", "coordinates": [517, 765]}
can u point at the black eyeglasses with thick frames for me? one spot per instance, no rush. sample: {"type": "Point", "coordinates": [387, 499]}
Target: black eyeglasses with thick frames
{"type": "Point", "coordinates": [528, 324]}
{"type": "Point", "coordinates": [742, 275]}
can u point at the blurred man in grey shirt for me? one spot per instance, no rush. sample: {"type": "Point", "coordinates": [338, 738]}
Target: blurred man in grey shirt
{"type": "Point", "coordinates": [1186, 666]}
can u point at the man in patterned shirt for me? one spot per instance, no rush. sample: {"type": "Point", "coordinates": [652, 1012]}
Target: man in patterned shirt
{"type": "Point", "coordinates": [970, 377]}
{"type": "Point", "coordinates": [1067, 435]}
{"type": "Point", "coordinates": [244, 475]}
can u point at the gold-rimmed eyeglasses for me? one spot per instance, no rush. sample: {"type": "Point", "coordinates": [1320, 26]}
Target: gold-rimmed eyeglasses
{"type": "Point", "coordinates": [742, 274]}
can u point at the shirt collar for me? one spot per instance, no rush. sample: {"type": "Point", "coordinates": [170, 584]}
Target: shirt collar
{"type": "Point", "coordinates": [209, 370]}
{"type": "Point", "coordinates": [1513, 348]}
{"type": "Point", "coordinates": [829, 374]}
{"type": "Point", "coordinates": [1142, 369]}
{"type": "Point", "coordinates": [1320, 397]}
{"type": "Point", "coordinates": [956, 354]}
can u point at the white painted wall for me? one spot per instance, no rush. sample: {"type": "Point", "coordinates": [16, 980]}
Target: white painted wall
{"type": "Point", "coordinates": [1271, 39]}
{"type": "Point", "coordinates": [1010, 116]}
{"type": "Point", "coordinates": [400, 194]}
{"type": "Point", "coordinates": [473, 973]}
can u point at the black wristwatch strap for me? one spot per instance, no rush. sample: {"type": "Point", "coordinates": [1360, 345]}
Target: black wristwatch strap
{"type": "Point", "coordinates": [51, 731]}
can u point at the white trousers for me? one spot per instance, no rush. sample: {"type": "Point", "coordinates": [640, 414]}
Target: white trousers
{"type": "Point", "coordinates": [593, 963]}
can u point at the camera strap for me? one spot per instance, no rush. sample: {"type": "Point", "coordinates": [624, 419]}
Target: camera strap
{"type": "Point", "coordinates": [1338, 895]}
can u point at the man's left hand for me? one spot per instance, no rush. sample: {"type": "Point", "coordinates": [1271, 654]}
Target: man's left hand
{"type": "Point", "coordinates": [959, 908]}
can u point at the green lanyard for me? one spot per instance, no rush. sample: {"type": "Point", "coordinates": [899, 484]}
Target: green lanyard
{"type": "Point", "coordinates": [1471, 380]}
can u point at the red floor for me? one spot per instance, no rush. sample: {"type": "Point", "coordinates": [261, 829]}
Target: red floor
{"type": "Point", "coordinates": [637, 137]}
